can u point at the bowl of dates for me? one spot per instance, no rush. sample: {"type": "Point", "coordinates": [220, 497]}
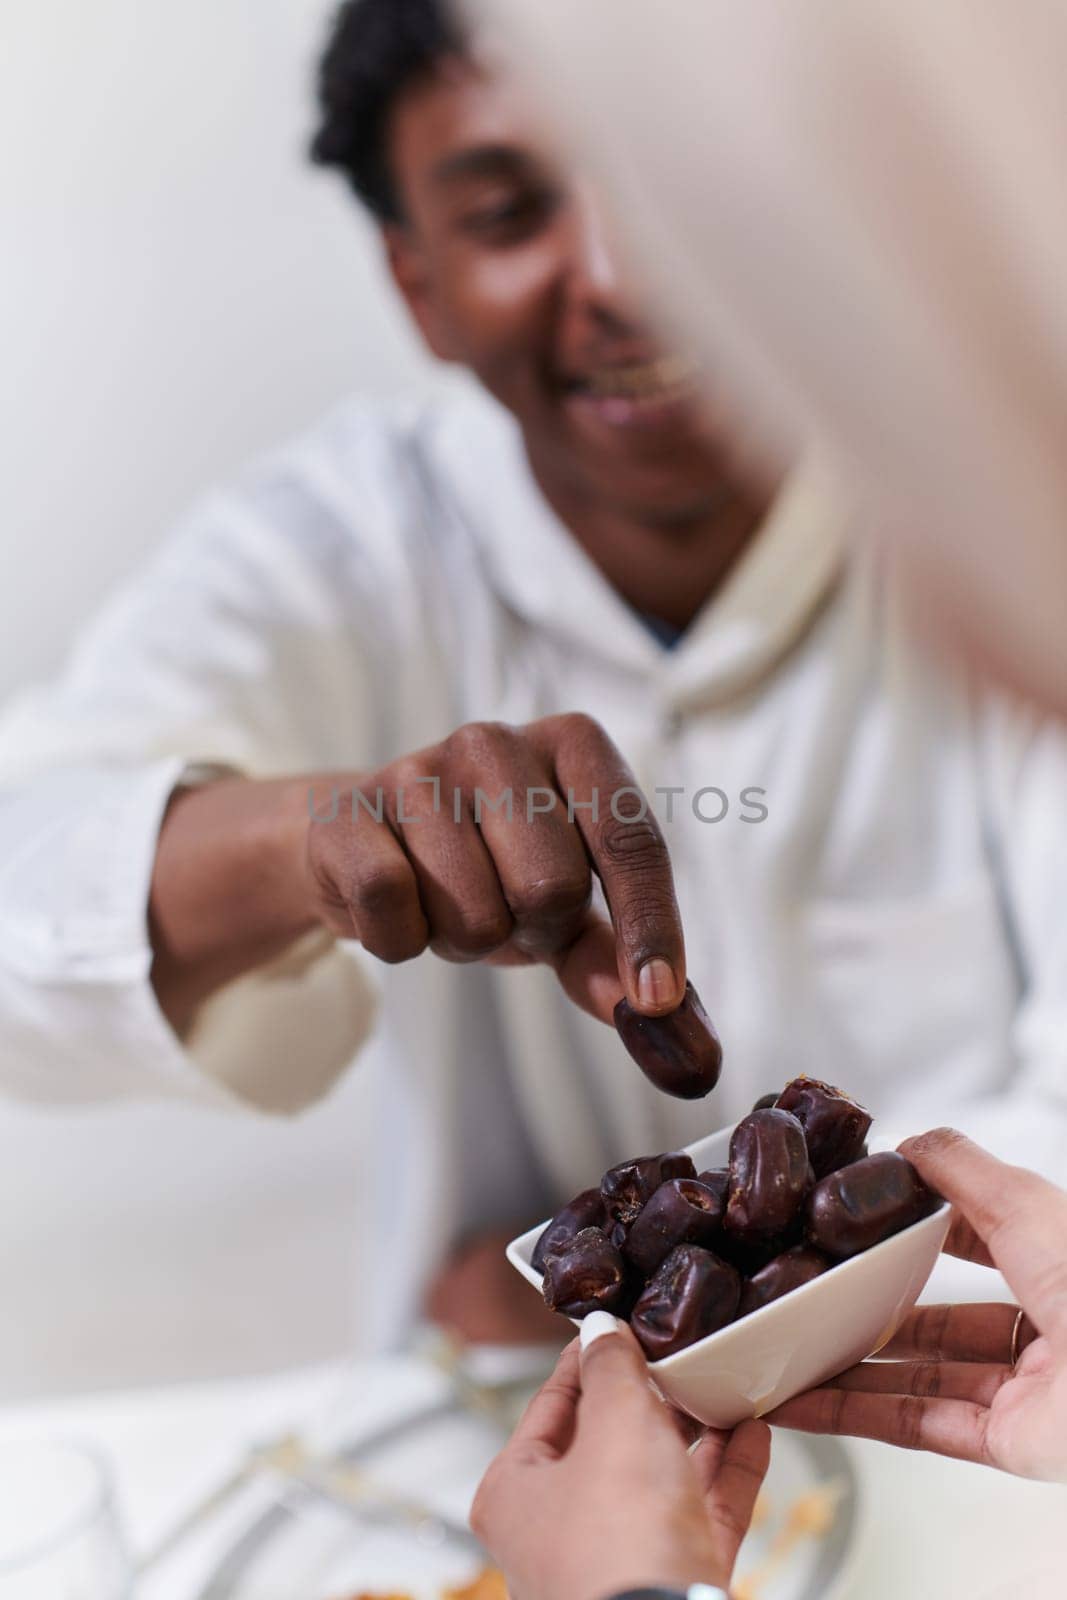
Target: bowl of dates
{"type": "Point", "coordinates": [756, 1263]}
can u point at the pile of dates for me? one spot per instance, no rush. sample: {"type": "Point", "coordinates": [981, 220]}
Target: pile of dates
{"type": "Point", "coordinates": [681, 1253]}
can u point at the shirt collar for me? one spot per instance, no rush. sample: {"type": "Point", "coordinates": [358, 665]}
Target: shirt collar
{"type": "Point", "coordinates": [771, 597]}
{"type": "Point", "coordinates": [539, 569]}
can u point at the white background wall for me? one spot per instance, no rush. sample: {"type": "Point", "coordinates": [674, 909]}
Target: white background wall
{"type": "Point", "coordinates": [177, 292]}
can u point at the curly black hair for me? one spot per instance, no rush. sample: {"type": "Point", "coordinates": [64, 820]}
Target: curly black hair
{"type": "Point", "coordinates": [376, 48]}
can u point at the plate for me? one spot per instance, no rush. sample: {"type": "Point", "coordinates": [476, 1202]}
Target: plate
{"type": "Point", "coordinates": [306, 1550]}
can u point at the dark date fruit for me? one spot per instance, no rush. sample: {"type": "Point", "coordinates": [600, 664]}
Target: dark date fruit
{"type": "Point", "coordinates": [680, 1053]}
{"type": "Point", "coordinates": [770, 1176]}
{"type": "Point", "coordinates": [857, 1207]}
{"type": "Point", "coordinates": [781, 1276]}
{"type": "Point", "coordinates": [693, 1294]}
{"type": "Point", "coordinates": [681, 1256]}
{"type": "Point", "coordinates": [717, 1180]}
{"type": "Point", "coordinates": [618, 1233]}
{"type": "Point", "coordinates": [586, 1210]}
{"type": "Point", "coordinates": [752, 1258]}
{"type": "Point", "coordinates": [682, 1211]}
{"type": "Point", "coordinates": [676, 1164]}
{"type": "Point", "coordinates": [627, 1188]}
{"type": "Point", "coordinates": [767, 1102]}
{"type": "Point", "coordinates": [587, 1275]}
{"type": "Point", "coordinates": [835, 1126]}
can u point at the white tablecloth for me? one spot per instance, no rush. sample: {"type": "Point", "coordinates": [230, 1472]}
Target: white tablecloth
{"type": "Point", "coordinates": [931, 1528]}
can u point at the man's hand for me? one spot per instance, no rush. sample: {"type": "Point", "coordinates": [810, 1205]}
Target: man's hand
{"type": "Point", "coordinates": [486, 850]}
{"type": "Point", "coordinates": [481, 848]}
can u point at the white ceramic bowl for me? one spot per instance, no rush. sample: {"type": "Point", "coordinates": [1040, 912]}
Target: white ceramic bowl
{"type": "Point", "coordinates": [808, 1336]}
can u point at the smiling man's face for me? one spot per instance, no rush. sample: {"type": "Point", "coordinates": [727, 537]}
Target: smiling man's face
{"type": "Point", "coordinates": [508, 269]}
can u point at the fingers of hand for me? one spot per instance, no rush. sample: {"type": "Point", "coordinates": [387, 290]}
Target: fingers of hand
{"type": "Point", "coordinates": [632, 862]}
{"type": "Point", "coordinates": [947, 1380]}
{"type": "Point", "coordinates": [956, 1333]}
{"type": "Point", "coordinates": [485, 847]}
{"type": "Point", "coordinates": [548, 1422]}
{"type": "Point", "coordinates": [465, 906]}
{"type": "Point", "coordinates": [589, 969]}
{"type": "Point", "coordinates": [1021, 1218]}
{"type": "Point", "coordinates": [954, 1428]}
{"type": "Point", "coordinates": [368, 887]}
{"type": "Point", "coordinates": [452, 847]}
{"type": "Point", "coordinates": [629, 855]}
{"type": "Point", "coordinates": [1023, 1337]}
{"type": "Point", "coordinates": [537, 853]}
{"type": "Point", "coordinates": [964, 1243]}
{"type": "Point", "coordinates": [731, 1495]}
{"type": "Point", "coordinates": [431, 815]}
{"type": "Point", "coordinates": [616, 1396]}
{"type": "Point", "coordinates": [543, 1436]}
{"type": "Point", "coordinates": [707, 1457]}
{"type": "Point", "coordinates": [689, 1430]}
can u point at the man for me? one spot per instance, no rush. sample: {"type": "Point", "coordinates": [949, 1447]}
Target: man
{"type": "Point", "coordinates": [257, 754]}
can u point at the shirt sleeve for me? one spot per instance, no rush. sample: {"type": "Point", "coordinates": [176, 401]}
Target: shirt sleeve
{"type": "Point", "coordinates": [244, 647]}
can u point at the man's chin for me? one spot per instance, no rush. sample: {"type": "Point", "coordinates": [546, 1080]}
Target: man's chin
{"type": "Point", "coordinates": [668, 482]}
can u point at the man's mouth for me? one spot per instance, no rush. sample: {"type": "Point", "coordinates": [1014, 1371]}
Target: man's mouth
{"type": "Point", "coordinates": [637, 394]}
{"type": "Point", "coordinates": [664, 379]}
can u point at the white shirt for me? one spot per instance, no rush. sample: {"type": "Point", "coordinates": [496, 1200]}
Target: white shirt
{"type": "Point", "coordinates": [895, 924]}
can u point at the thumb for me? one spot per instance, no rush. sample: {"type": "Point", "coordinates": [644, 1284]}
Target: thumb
{"type": "Point", "coordinates": [589, 969]}
{"type": "Point", "coordinates": [616, 1388]}
{"type": "Point", "coordinates": [1020, 1217]}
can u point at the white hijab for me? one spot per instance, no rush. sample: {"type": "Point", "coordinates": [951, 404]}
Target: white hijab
{"type": "Point", "coordinates": [858, 210]}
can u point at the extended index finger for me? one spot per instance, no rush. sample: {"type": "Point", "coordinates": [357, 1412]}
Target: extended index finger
{"type": "Point", "coordinates": [630, 857]}
{"type": "Point", "coordinates": [1021, 1219]}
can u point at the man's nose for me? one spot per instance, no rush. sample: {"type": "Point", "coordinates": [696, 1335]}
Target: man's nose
{"type": "Point", "coordinates": [598, 281]}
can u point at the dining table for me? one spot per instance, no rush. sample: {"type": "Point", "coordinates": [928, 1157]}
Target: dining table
{"type": "Point", "coordinates": [929, 1527]}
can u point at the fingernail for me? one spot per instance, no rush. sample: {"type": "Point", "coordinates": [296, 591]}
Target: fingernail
{"type": "Point", "coordinates": [596, 1325]}
{"type": "Point", "coordinates": [656, 984]}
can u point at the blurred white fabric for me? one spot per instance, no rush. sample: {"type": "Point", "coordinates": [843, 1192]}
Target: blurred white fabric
{"type": "Point", "coordinates": [858, 209]}
{"type": "Point", "coordinates": [179, 292]}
